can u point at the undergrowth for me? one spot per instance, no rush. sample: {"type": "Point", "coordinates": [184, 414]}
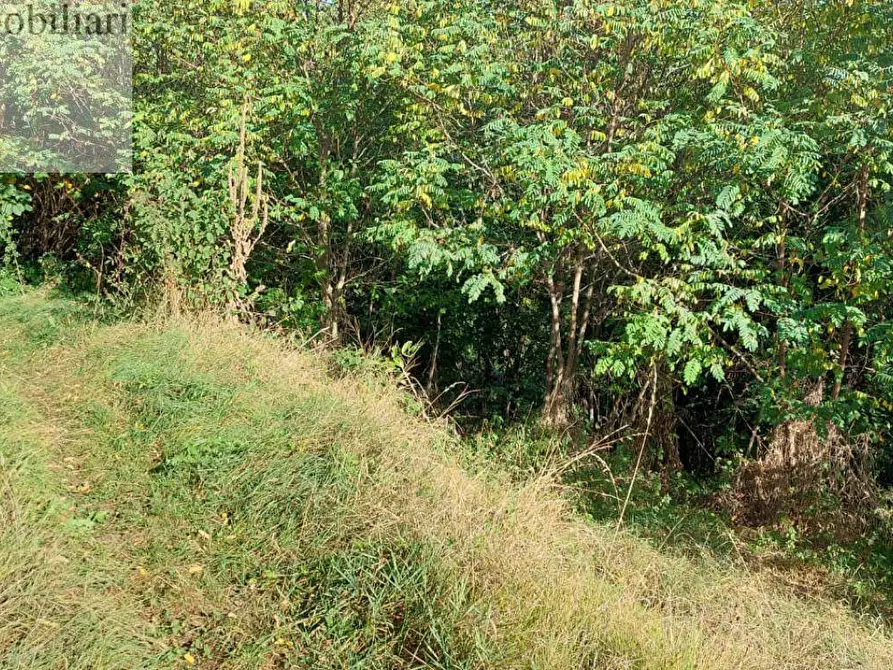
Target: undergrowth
{"type": "Point", "coordinates": [813, 554]}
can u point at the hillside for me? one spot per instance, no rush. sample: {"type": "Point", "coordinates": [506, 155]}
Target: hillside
{"type": "Point", "coordinates": [194, 495]}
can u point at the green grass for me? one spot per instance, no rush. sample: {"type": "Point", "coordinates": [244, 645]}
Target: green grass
{"type": "Point", "coordinates": [59, 596]}
{"type": "Point", "coordinates": [191, 495]}
{"type": "Point", "coordinates": [815, 553]}
{"type": "Point", "coordinates": [233, 536]}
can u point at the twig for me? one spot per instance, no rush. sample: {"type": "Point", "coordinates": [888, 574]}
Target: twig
{"type": "Point", "coordinates": [632, 483]}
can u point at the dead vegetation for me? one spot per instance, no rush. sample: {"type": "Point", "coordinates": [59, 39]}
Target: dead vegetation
{"type": "Point", "coordinates": [799, 466]}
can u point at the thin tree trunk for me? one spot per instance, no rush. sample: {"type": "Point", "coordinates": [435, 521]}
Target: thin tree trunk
{"type": "Point", "coordinates": [846, 338]}
{"type": "Point", "coordinates": [782, 279]}
{"type": "Point", "coordinates": [326, 264]}
{"type": "Point", "coordinates": [564, 356]}
{"type": "Point", "coordinates": [330, 323]}
{"type": "Point", "coordinates": [432, 370]}
{"type": "Point", "coordinates": [555, 362]}
{"type": "Point", "coordinates": [844, 353]}
{"type": "Point", "coordinates": [863, 201]}
{"type": "Point", "coordinates": [572, 328]}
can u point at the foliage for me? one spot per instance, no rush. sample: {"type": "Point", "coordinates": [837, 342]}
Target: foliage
{"type": "Point", "coordinates": [65, 90]}
{"type": "Point", "coordinates": [667, 218]}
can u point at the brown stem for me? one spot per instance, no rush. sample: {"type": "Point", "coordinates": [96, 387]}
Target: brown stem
{"type": "Point", "coordinates": [844, 353]}
{"type": "Point", "coordinates": [782, 279]}
{"type": "Point", "coordinates": [862, 200]}
{"type": "Point", "coordinates": [584, 320]}
{"type": "Point", "coordinates": [432, 371]}
{"type": "Point", "coordinates": [846, 338]}
{"type": "Point", "coordinates": [574, 318]}
{"type": "Point", "coordinates": [555, 368]}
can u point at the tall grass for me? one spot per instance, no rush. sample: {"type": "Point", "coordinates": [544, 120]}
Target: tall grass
{"type": "Point", "coordinates": [237, 508]}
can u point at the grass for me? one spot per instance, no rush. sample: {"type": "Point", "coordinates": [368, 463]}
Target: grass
{"type": "Point", "coordinates": [190, 494]}
{"type": "Point", "coordinates": [816, 554]}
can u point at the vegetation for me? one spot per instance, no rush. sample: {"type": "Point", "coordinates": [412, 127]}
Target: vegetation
{"type": "Point", "coordinates": [640, 249]}
{"type": "Point", "coordinates": [189, 495]}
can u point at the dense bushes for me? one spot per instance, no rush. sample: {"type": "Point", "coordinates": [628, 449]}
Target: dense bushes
{"type": "Point", "coordinates": [673, 217]}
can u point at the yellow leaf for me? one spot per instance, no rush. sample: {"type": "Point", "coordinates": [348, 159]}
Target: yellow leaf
{"type": "Point", "coordinates": [189, 658]}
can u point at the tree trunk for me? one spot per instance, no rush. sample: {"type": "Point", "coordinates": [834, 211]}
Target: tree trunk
{"type": "Point", "coordinates": [782, 280]}
{"type": "Point", "coordinates": [844, 353]}
{"type": "Point", "coordinates": [847, 336]}
{"type": "Point", "coordinates": [567, 336]}
{"type": "Point", "coordinates": [556, 411]}
{"type": "Point", "coordinates": [329, 292]}
{"type": "Point", "coordinates": [432, 369]}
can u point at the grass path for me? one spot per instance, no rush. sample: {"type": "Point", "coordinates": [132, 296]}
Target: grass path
{"type": "Point", "coordinates": [195, 496]}
{"type": "Point", "coordinates": [62, 600]}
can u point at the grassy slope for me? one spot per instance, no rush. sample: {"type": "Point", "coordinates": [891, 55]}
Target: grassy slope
{"type": "Point", "coordinates": [195, 496]}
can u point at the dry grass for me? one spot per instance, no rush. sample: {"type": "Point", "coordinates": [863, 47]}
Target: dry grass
{"type": "Point", "coordinates": [450, 569]}
{"type": "Point", "coordinates": [569, 594]}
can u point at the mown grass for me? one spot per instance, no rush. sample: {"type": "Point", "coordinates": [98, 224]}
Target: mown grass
{"type": "Point", "coordinates": [59, 606]}
{"type": "Point", "coordinates": [221, 503]}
